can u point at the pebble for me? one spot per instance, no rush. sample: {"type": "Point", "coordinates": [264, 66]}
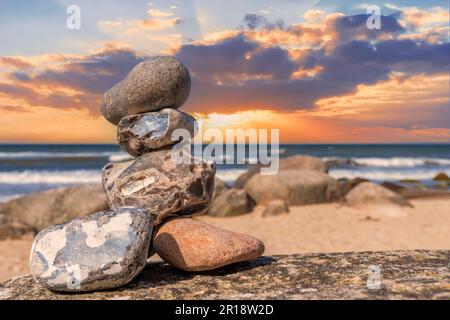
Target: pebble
{"type": "Point", "coordinates": [152, 85]}
{"type": "Point", "coordinates": [142, 133]}
{"type": "Point", "coordinates": [156, 182]}
{"type": "Point", "coordinates": [101, 251]}
{"type": "Point", "coordinates": [231, 202]}
{"type": "Point", "coordinates": [192, 245]}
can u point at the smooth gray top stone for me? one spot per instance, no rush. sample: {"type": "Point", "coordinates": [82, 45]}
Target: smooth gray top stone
{"type": "Point", "coordinates": [142, 133]}
{"type": "Point", "coordinates": [154, 84]}
{"type": "Point", "coordinates": [404, 275]}
{"type": "Point", "coordinates": [100, 251]}
{"type": "Point", "coordinates": [155, 182]}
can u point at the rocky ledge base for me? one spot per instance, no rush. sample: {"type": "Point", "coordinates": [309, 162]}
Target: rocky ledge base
{"type": "Point", "coordinates": [404, 275]}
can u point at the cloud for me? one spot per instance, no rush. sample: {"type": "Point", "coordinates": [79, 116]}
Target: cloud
{"type": "Point", "coordinates": [15, 62]}
{"type": "Point", "coordinates": [254, 21]}
{"type": "Point", "coordinates": [94, 73]}
{"type": "Point", "coordinates": [265, 65]}
{"type": "Point", "coordinates": [158, 33]}
{"type": "Point", "coordinates": [314, 16]}
{"type": "Point", "coordinates": [428, 25]}
{"type": "Point", "coordinates": [417, 18]}
{"type": "Point", "coordinates": [159, 13]}
{"type": "Point", "coordinates": [74, 83]}
{"type": "Point", "coordinates": [156, 24]}
{"type": "Point", "coordinates": [355, 27]}
{"type": "Point", "coordinates": [157, 20]}
{"type": "Point", "coordinates": [400, 101]}
{"type": "Point", "coordinates": [15, 109]}
{"type": "Point", "coordinates": [235, 59]}
{"type": "Point", "coordinates": [20, 76]}
{"type": "Point", "coordinates": [241, 72]}
{"type": "Point", "coordinates": [35, 97]}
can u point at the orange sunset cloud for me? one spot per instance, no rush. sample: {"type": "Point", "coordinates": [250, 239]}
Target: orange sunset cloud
{"type": "Point", "coordinates": [325, 79]}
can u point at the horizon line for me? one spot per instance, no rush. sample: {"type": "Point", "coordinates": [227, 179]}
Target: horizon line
{"type": "Point", "coordinates": [287, 143]}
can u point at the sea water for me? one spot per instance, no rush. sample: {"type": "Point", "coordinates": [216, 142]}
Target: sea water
{"type": "Point", "coordinates": [30, 168]}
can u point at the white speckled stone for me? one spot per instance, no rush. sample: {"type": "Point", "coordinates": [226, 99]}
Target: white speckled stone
{"type": "Point", "coordinates": [145, 132]}
{"type": "Point", "coordinates": [102, 251]}
{"type": "Point", "coordinates": [154, 181]}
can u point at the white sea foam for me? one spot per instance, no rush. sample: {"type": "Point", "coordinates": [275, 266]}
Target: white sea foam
{"type": "Point", "coordinates": [55, 155]}
{"type": "Point", "coordinates": [386, 175]}
{"type": "Point", "coordinates": [81, 176]}
{"type": "Point", "coordinates": [50, 177]}
{"type": "Point", "coordinates": [396, 161]}
{"type": "Point", "coordinates": [229, 176]}
{"type": "Point", "coordinates": [112, 156]}
{"type": "Point", "coordinates": [5, 198]}
{"type": "Point", "coordinates": [120, 156]}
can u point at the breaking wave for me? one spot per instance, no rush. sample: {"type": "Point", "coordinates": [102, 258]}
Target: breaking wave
{"type": "Point", "coordinates": [386, 175]}
{"type": "Point", "coordinates": [50, 177]}
{"type": "Point", "coordinates": [394, 162]}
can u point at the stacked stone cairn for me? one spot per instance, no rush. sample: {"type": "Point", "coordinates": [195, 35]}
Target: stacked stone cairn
{"type": "Point", "coordinates": [151, 197]}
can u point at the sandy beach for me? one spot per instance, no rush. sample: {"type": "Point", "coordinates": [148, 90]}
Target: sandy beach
{"type": "Point", "coordinates": [14, 257]}
{"type": "Point", "coordinates": [337, 228]}
{"type": "Point", "coordinates": [312, 228]}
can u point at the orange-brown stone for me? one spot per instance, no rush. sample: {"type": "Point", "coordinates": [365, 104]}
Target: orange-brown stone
{"type": "Point", "coordinates": [192, 245]}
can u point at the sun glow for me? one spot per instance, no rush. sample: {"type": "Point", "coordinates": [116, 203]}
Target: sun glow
{"type": "Point", "coordinates": [240, 119]}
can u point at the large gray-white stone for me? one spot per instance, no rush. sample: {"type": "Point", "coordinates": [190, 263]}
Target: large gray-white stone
{"type": "Point", "coordinates": [369, 193]}
{"type": "Point", "coordinates": [296, 162]}
{"type": "Point", "coordinates": [156, 182]}
{"type": "Point", "coordinates": [142, 133]}
{"type": "Point", "coordinates": [295, 187]}
{"type": "Point", "coordinates": [101, 251]}
{"type": "Point", "coordinates": [154, 84]}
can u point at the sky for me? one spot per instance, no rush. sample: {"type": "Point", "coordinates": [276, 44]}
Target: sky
{"type": "Point", "coordinates": [311, 68]}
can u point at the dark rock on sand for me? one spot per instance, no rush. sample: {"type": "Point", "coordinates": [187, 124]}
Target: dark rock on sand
{"type": "Point", "coordinates": [289, 163]}
{"type": "Point", "coordinates": [403, 275]}
{"type": "Point", "coordinates": [394, 187]}
{"type": "Point", "coordinates": [413, 182]}
{"type": "Point", "coordinates": [441, 185]}
{"type": "Point", "coordinates": [142, 133]}
{"type": "Point", "coordinates": [191, 245]}
{"type": "Point", "coordinates": [231, 202]}
{"type": "Point", "coordinates": [41, 209]}
{"type": "Point", "coordinates": [157, 183]}
{"type": "Point", "coordinates": [414, 193]}
{"type": "Point", "coordinates": [101, 251]}
{"type": "Point", "coordinates": [154, 84]}
{"type": "Point", "coordinates": [275, 208]}
{"type": "Point", "coordinates": [296, 187]}
{"type": "Point", "coordinates": [341, 162]}
{"type": "Point", "coordinates": [442, 177]}
{"type": "Point", "coordinates": [368, 193]}
{"type": "Point", "coordinates": [418, 191]}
